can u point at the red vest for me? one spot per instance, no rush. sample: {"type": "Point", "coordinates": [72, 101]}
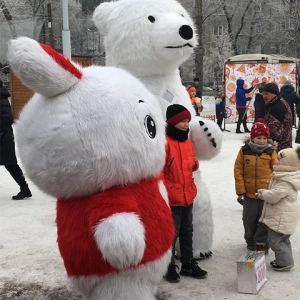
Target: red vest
{"type": "Point", "coordinates": [77, 219]}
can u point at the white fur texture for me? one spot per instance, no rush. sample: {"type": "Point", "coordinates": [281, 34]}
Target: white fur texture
{"type": "Point", "coordinates": [81, 136]}
{"type": "Point", "coordinates": [34, 75]}
{"type": "Point", "coordinates": [121, 240]}
{"type": "Point", "coordinates": [90, 137]}
{"type": "Point", "coordinates": [138, 45]}
{"type": "Point", "coordinates": [139, 284]}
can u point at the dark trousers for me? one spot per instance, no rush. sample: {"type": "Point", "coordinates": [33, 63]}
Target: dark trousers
{"type": "Point", "coordinates": [220, 121]}
{"type": "Point", "coordinates": [183, 220]}
{"type": "Point", "coordinates": [16, 173]}
{"type": "Point", "coordinates": [254, 230]}
{"type": "Point", "coordinates": [242, 118]}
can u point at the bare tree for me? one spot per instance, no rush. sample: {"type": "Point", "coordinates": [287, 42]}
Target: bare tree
{"type": "Point", "coordinates": [235, 26]}
{"type": "Point", "coordinates": [8, 18]}
{"type": "Point", "coordinates": [199, 50]}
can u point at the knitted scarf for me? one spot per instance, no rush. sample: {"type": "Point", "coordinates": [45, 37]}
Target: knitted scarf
{"type": "Point", "coordinates": [177, 134]}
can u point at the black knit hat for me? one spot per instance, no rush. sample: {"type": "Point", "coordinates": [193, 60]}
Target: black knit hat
{"type": "Point", "coordinates": [271, 88]}
{"type": "Point", "coordinates": [176, 113]}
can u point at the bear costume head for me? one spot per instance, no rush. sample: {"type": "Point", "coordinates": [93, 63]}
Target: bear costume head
{"type": "Point", "coordinates": [165, 31]}
{"type": "Point", "coordinates": [85, 129]}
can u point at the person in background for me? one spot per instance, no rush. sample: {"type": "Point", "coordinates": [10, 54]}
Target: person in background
{"type": "Point", "coordinates": [178, 179]}
{"type": "Point", "coordinates": [288, 93]}
{"type": "Point", "coordinates": [259, 103]}
{"type": "Point", "coordinates": [197, 86]}
{"type": "Point", "coordinates": [278, 116]}
{"type": "Point", "coordinates": [195, 101]}
{"type": "Point", "coordinates": [241, 104]}
{"type": "Point", "coordinates": [7, 146]}
{"type": "Point", "coordinates": [220, 110]}
{"type": "Point", "coordinates": [252, 170]}
{"type": "Point", "coordinates": [280, 211]}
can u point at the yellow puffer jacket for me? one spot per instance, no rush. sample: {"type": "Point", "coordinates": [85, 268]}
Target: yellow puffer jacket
{"type": "Point", "coordinates": [253, 171]}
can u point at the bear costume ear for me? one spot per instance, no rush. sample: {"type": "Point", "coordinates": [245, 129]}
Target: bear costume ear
{"type": "Point", "coordinates": [101, 14]}
{"type": "Point", "coordinates": [41, 68]}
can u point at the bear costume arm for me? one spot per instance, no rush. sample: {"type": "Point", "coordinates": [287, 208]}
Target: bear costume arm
{"type": "Point", "coordinates": [206, 137]}
{"type": "Point", "coordinates": [121, 239]}
{"type": "Point", "coordinates": [118, 230]}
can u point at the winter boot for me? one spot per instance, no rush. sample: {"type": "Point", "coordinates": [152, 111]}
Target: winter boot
{"type": "Point", "coordinates": [251, 246]}
{"type": "Point", "coordinates": [24, 193]}
{"type": "Point", "coordinates": [247, 130]}
{"type": "Point", "coordinates": [172, 275]}
{"type": "Point", "coordinates": [280, 268]}
{"type": "Point", "coordinates": [264, 247]}
{"type": "Point", "coordinates": [193, 270]}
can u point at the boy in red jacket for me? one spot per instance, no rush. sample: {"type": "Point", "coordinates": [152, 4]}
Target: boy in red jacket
{"type": "Point", "coordinates": [178, 178]}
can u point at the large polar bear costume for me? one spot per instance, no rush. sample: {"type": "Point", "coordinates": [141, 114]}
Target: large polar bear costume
{"type": "Point", "coordinates": [95, 139]}
{"type": "Point", "coordinates": [150, 39]}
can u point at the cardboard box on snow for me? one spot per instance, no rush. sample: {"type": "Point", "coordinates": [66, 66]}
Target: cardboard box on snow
{"type": "Point", "coordinates": [251, 272]}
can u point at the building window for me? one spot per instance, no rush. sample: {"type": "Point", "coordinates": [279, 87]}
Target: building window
{"type": "Point", "coordinates": [220, 12]}
{"type": "Point", "coordinates": [257, 28]}
{"type": "Point", "coordinates": [292, 24]}
{"type": "Point", "coordinates": [281, 49]}
{"type": "Point", "coordinates": [242, 49]}
{"type": "Point", "coordinates": [258, 7]}
{"type": "Point", "coordinates": [257, 48]}
{"type": "Point", "coordinates": [282, 26]}
{"type": "Point", "coordinates": [220, 30]}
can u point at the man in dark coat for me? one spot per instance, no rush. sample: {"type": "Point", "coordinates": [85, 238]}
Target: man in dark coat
{"type": "Point", "coordinates": [288, 93]}
{"type": "Point", "coordinates": [278, 116]}
{"type": "Point", "coordinates": [259, 103]}
{"type": "Point", "coordinates": [198, 88]}
{"type": "Point", "coordinates": [7, 145]}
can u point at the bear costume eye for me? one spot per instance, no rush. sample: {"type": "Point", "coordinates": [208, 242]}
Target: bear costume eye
{"type": "Point", "coordinates": [151, 19]}
{"type": "Point", "coordinates": [150, 126]}
{"type": "Point", "coordinates": [182, 15]}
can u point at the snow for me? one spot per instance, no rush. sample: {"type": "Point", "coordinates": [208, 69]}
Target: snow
{"type": "Point", "coordinates": [31, 266]}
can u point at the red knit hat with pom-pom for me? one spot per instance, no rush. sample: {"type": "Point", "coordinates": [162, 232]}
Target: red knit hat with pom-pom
{"type": "Point", "coordinates": [259, 128]}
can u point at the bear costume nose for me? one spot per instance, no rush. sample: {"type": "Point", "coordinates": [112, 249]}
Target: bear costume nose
{"type": "Point", "coordinates": [186, 32]}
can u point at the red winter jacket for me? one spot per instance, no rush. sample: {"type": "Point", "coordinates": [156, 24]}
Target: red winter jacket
{"type": "Point", "coordinates": [178, 172]}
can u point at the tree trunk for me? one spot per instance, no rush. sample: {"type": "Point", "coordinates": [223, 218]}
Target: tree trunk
{"type": "Point", "coordinates": [8, 18]}
{"type": "Point", "coordinates": [199, 49]}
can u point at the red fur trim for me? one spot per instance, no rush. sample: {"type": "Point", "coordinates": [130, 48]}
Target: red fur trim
{"type": "Point", "coordinates": [63, 61]}
{"type": "Point", "coordinates": [77, 219]}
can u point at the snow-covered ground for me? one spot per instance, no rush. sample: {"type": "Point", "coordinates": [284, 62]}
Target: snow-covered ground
{"type": "Point", "coordinates": [31, 267]}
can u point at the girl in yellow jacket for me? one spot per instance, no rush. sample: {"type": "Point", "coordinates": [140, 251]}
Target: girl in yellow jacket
{"type": "Point", "coordinates": [252, 171]}
{"type": "Point", "coordinates": [178, 179]}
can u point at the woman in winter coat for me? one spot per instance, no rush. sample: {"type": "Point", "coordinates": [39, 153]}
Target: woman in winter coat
{"type": "Point", "coordinates": [280, 211]}
{"type": "Point", "coordinates": [7, 145]}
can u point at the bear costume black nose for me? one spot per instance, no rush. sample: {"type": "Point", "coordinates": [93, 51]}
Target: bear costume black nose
{"type": "Point", "coordinates": [186, 32]}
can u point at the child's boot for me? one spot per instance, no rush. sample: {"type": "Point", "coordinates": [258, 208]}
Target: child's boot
{"type": "Point", "coordinates": [172, 275]}
{"type": "Point", "coordinates": [260, 246]}
{"type": "Point", "coordinates": [193, 270]}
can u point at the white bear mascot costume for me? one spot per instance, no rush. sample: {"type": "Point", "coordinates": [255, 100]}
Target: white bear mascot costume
{"type": "Point", "coordinates": [150, 39]}
{"type": "Point", "coordinates": [94, 138]}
